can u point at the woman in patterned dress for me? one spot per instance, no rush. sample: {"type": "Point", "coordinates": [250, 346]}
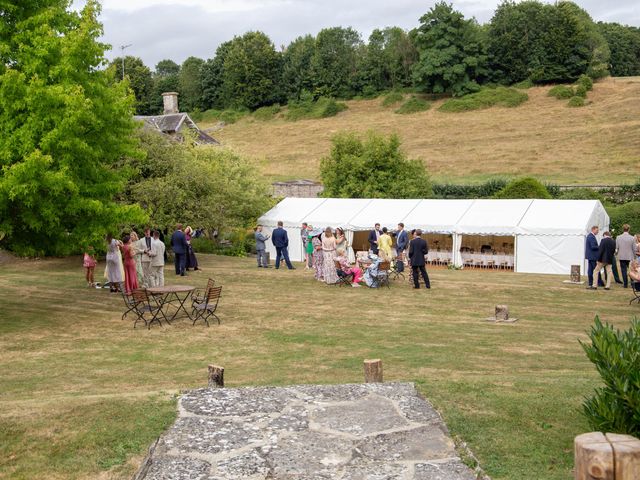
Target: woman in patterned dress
{"type": "Point", "coordinates": [328, 262]}
{"type": "Point", "coordinates": [318, 257]}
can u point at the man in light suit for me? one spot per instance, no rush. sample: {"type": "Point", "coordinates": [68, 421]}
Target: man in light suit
{"type": "Point", "coordinates": [157, 260]}
{"type": "Point", "coordinates": [180, 248]}
{"type": "Point", "coordinates": [418, 248]}
{"type": "Point", "coordinates": [402, 240]}
{"type": "Point", "coordinates": [625, 244]}
{"type": "Point", "coordinates": [144, 246]}
{"type": "Point", "coordinates": [280, 240]}
{"type": "Point", "coordinates": [261, 248]}
{"type": "Point", "coordinates": [591, 254]}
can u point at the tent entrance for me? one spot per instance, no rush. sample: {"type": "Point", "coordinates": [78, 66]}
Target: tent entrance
{"type": "Point", "coordinates": [488, 251]}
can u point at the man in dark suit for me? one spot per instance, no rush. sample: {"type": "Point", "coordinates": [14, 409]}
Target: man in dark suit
{"type": "Point", "coordinates": [591, 253]}
{"type": "Point", "coordinates": [402, 240]}
{"type": "Point", "coordinates": [179, 247]}
{"type": "Point", "coordinates": [418, 248]}
{"type": "Point", "coordinates": [280, 240]}
{"type": "Point", "coordinates": [606, 253]}
{"type": "Point", "coordinates": [374, 235]}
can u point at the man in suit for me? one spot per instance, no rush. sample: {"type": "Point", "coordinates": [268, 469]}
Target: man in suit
{"type": "Point", "coordinates": [624, 246]}
{"type": "Point", "coordinates": [605, 258]}
{"type": "Point", "coordinates": [402, 240]}
{"type": "Point", "coordinates": [144, 246]}
{"type": "Point", "coordinates": [180, 248]}
{"type": "Point", "coordinates": [157, 260]}
{"type": "Point", "coordinates": [591, 253]}
{"type": "Point", "coordinates": [280, 240]}
{"type": "Point", "coordinates": [418, 248]}
{"type": "Point", "coordinates": [374, 236]}
{"type": "Point", "coordinates": [261, 248]}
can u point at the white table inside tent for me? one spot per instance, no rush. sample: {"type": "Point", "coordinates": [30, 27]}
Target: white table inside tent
{"type": "Point", "coordinates": [439, 257]}
{"type": "Point", "coordinates": [488, 260]}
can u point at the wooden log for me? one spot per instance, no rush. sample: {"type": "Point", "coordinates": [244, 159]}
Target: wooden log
{"type": "Point", "coordinates": [373, 371]}
{"type": "Point", "coordinates": [216, 376]}
{"type": "Point", "coordinates": [593, 457]}
{"type": "Point", "coordinates": [626, 450]}
{"type": "Point", "coordinates": [575, 273]}
{"type": "Point", "coordinates": [502, 312]}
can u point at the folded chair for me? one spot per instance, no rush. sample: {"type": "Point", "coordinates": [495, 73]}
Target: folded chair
{"type": "Point", "coordinates": [207, 307]}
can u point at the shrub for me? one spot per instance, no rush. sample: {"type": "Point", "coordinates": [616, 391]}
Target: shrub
{"type": "Point", "coordinates": [524, 84]}
{"type": "Point", "coordinates": [413, 105]}
{"type": "Point", "coordinates": [561, 91]}
{"type": "Point", "coordinates": [585, 80]}
{"type": "Point", "coordinates": [266, 113]}
{"type": "Point", "coordinates": [581, 194]}
{"type": "Point", "coordinates": [626, 213]}
{"type": "Point", "coordinates": [392, 99]}
{"type": "Point", "coordinates": [485, 98]}
{"type": "Point", "coordinates": [576, 102]}
{"type": "Point", "coordinates": [581, 91]}
{"type": "Point", "coordinates": [306, 108]}
{"type": "Point", "coordinates": [526, 187]}
{"type": "Point", "coordinates": [616, 355]}
{"type": "Point", "coordinates": [484, 190]}
{"type": "Point", "coordinates": [227, 116]}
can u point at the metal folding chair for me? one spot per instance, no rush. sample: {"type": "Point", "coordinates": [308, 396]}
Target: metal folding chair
{"type": "Point", "coordinates": [199, 295]}
{"type": "Point", "coordinates": [382, 278]}
{"type": "Point", "coordinates": [129, 302]}
{"type": "Point", "coordinates": [635, 288]}
{"type": "Point", "coordinates": [146, 304]}
{"type": "Point", "coordinates": [207, 307]}
{"type": "Point", "coordinates": [344, 279]}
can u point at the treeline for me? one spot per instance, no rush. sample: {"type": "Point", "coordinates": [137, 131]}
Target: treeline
{"type": "Point", "coordinates": [446, 54]}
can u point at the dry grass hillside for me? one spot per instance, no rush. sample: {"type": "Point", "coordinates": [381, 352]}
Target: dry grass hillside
{"type": "Point", "coordinates": [598, 143]}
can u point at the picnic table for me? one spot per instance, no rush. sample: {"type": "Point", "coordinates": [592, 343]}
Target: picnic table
{"type": "Point", "coordinates": [173, 296]}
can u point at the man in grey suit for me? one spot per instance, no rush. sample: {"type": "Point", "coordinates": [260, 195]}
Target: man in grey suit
{"type": "Point", "coordinates": [157, 260]}
{"type": "Point", "coordinates": [624, 248]}
{"type": "Point", "coordinates": [261, 249]}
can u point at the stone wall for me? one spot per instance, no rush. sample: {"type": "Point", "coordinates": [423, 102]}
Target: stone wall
{"type": "Point", "coordinates": [297, 188]}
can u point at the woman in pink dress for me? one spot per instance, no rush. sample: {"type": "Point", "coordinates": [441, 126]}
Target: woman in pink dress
{"type": "Point", "coordinates": [130, 274]}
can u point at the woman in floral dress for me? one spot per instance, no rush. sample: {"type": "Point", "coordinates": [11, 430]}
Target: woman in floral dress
{"type": "Point", "coordinates": [328, 262]}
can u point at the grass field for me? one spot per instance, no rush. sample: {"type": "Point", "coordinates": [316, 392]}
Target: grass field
{"type": "Point", "coordinates": [598, 143]}
{"type": "Point", "coordinates": [82, 393]}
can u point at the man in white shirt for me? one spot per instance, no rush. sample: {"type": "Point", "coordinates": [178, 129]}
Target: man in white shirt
{"type": "Point", "coordinates": [157, 260]}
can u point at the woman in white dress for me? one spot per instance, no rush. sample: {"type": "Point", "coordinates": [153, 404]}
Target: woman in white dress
{"type": "Point", "coordinates": [329, 256]}
{"type": "Point", "coordinates": [114, 269]}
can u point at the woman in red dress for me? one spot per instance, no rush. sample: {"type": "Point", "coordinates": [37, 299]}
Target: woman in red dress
{"type": "Point", "coordinates": [130, 274]}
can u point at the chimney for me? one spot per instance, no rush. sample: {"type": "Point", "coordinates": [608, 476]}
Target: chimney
{"type": "Point", "coordinates": [170, 101]}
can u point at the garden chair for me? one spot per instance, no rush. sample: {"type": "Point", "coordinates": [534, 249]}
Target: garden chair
{"type": "Point", "coordinates": [635, 288]}
{"type": "Point", "coordinates": [198, 295]}
{"type": "Point", "coordinates": [207, 307]}
{"type": "Point", "coordinates": [382, 278]}
{"type": "Point", "coordinates": [394, 274]}
{"type": "Point", "coordinates": [146, 304]}
{"type": "Point", "coordinates": [344, 279]}
{"type": "Point", "coordinates": [129, 302]}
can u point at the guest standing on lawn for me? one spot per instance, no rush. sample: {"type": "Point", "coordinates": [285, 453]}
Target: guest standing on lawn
{"type": "Point", "coordinates": [179, 247]}
{"type": "Point", "coordinates": [309, 249]}
{"type": "Point", "coordinates": [384, 244]}
{"type": "Point", "coordinates": [192, 261]}
{"type": "Point", "coordinates": [318, 257]}
{"type": "Point", "coordinates": [280, 240]}
{"type": "Point", "coordinates": [114, 271]}
{"type": "Point", "coordinates": [418, 248]}
{"type": "Point", "coordinates": [624, 245]}
{"type": "Point", "coordinates": [144, 245]}
{"type": "Point", "coordinates": [130, 274]}
{"type": "Point", "coordinates": [137, 256]}
{"type": "Point", "coordinates": [89, 263]}
{"type": "Point", "coordinates": [591, 254]}
{"type": "Point", "coordinates": [341, 241]}
{"type": "Point", "coordinates": [261, 248]}
{"type": "Point", "coordinates": [606, 251]}
{"type": "Point", "coordinates": [329, 253]}
{"type": "Point", "coordinates": [157, 252]}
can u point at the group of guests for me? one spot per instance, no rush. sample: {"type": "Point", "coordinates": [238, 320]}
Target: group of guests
{"type": "Point", "coordinates": [183, 254]}
{"type": "Point", "coordinates": [135, 261]}
{"type": "Point", "coordinates": [601, 257]}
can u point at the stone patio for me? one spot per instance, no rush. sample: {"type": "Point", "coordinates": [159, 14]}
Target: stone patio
{"type": "Point", "coordinates": [374, 431]}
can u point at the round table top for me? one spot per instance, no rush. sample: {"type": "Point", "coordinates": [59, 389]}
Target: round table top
{"type": "Point", "coordinates": [171, 289]}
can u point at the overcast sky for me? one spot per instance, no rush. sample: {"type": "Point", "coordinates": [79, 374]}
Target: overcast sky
{"type": "Point", "coordinates": [177, 29]}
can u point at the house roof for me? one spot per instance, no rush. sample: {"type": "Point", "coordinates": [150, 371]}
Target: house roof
{"type": "Point", "coordinates": [173, 122]}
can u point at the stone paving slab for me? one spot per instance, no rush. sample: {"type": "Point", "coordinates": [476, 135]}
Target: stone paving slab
{"type": "Point", "coordinates": [376, 431]}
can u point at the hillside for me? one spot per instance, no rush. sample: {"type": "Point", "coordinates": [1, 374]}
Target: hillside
{"type": "Point", "coordinates": [598, 143]}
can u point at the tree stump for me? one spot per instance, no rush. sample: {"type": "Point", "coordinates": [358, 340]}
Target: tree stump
{"type": "Point", "coordinates": [216, 376]}
{"type": "Point", "coordinates": [373, 371]}
{"type": "Point", "coordinates": [608, 456]}
{"type": "Point", "coordinates": [575, 273]}
{"type": "Point", "coordinates": [502, 313]}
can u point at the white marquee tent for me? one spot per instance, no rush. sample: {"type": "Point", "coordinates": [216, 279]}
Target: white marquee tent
{"type": "Point", "coordinates": [549, 235]}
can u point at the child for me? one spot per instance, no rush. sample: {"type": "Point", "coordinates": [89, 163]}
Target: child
{"type": "Point", "coordinates": [89, 264]}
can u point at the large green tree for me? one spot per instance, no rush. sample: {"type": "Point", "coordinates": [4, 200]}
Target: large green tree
{"type": "Point", "coordinates": [452, 55]}
{"type": "Point", "coordinates": [140, 80]}
{"type": "Point", "coordinates": [624, 43]}
{"type": "Point", "coordinates": [166, 78]}
{"type": "Point", "coordinates": [297, 75]}
{"type": "Point", "coordinates": [213, 78]}
{"type": "Point", "coordinates": [375, 167]}
{"type": "Point", "coordinates": [334, 62]}
{"type": "Point", "coordinates": [190, 84]}
{"type": "Point", "coordinates": [64, 123]}
{"type": "Point", "coordinates": [389, 59]}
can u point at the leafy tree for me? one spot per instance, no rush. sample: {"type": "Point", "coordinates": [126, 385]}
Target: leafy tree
{"type": "Point", "coordinates": [212, 79]}
{"type": "Point", "coordinates": [251, 72]}
{"type": "Point", "coordinates": [526, 187]}
{"type": "Point", "coordinates": [451, 53]}
{"type": "Point", "coordinates": [167, 67]}
{"type": "Point", "coordinates": [140, 81]}
{"type": "Point", "coordinates": [334, 62]}
{"type": "Point", "coordinates": [296, 67]}
{"type": "Point", "coordinates": [64, 123]}
{"type": "Point", "coordinates": [624, 43]}
{"type": "Point", "coordinates": [389, 58]}
{"type": "Point", "coordinates": [203, 186]}
{"type": "Point", "coordinates": [374, 168]}
{"type": "Point", "coordinates": [165, 79]}
{"type": "Point", "coordinates": [190, 84]}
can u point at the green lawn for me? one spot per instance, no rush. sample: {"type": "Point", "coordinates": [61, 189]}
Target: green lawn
{"type": "Point", "coordinates": [82, 393]}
